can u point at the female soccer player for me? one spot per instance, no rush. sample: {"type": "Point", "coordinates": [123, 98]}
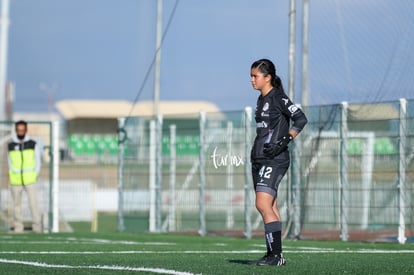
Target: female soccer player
{"type": "Point", "coordinates": [270, 155]}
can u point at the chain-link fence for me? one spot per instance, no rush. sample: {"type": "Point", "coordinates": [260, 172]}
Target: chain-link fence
{"type": "Point", "coordinates": [351, 173]}
{"type": "Point", "coordinates": [356, 174]}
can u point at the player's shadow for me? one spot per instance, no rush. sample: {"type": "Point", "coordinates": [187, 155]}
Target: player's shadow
{"type": "Point", "coordinates": [244, 262]}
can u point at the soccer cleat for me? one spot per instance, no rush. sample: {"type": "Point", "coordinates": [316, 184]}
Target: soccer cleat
{"type": "Point", "coordinates": [269, 259]}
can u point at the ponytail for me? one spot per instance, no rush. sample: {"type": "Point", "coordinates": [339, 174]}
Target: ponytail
{"type": "Point", "coordinates": [277, 82]}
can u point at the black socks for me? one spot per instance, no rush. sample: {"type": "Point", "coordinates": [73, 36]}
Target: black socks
{"type": "Point", "coordinates": [273, 237]}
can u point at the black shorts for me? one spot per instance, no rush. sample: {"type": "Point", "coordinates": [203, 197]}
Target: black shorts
{"type": "Point", "coordinates": [268, 175]}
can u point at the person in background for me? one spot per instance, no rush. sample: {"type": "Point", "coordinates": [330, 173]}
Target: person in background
{"type": "Point", "coordinates": [270, 155]}
{"type": "Point", "coordinates": [24, 158]}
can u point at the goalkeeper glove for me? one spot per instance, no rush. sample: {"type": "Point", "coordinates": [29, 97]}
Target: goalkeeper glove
{"type": "Point", "coordinates": [271, 150]}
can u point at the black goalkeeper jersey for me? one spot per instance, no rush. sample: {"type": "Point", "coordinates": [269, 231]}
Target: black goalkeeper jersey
{"type": "Point", "coordinates": [273, 114]}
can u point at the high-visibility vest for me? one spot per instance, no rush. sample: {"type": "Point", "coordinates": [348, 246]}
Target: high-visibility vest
{"type": "Point", "coordinates": [22, 170]}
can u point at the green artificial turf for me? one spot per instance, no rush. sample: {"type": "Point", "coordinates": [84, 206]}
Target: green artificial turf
{"type": "Point", "coordinates": [121, 253]}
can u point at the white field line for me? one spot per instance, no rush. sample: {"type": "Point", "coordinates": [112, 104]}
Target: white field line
{"type": "Point", "coordinates": [103, 241]}
{"type": "Point", "coordinates": [73, 240]}
{"type": "Point", "coordinates": [51, 240]}
{"type": "Point", "coordinates": [103, 267]}
{"type": "Point", "coordinates": [92, 242]}
{"type": "Point", "coordinates": [360, 251]}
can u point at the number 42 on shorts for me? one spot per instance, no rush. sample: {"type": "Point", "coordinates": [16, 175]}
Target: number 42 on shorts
{"type": "Point", "coordinates": [265, 172]}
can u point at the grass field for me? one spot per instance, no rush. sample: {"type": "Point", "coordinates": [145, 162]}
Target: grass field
{"type": "Point", "coordinates": [105, 253]}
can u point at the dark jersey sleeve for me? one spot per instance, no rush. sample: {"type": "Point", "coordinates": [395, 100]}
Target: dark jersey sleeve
{"type": "Point", "coordinates": [288, 112]}
{"type": "Point", "coordinates": [295, 113]}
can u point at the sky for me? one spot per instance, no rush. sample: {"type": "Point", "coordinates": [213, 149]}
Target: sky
{"type": "Point", "coordinates": [359, 50]}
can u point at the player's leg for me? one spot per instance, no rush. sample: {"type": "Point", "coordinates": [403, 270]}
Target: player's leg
{"type": "Point", "coordinates": [277, 236]}
{"type": "Point", "coordinates": [266, 193]}
{"type": "Point", "coordinates": [280, 170]}
{"type": "Point", "coordinates": [276, 210]}
{"type": "Point", "coordinates": [265, 203]}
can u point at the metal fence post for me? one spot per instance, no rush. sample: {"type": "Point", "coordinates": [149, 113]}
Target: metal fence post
{"type": "Point", "coordinates": [158, 174]}
{"type": "Point", "coordinates": [401, 170]}
{"type": "Point", "coordinates": [55, 182]}
{"type": "Point", "coordinates": [229, 177]}
{"type": "Point", "coordinates": [202, 183]}
{"type": "Point", "coordinates": [51, 188]}
{"type": "Point", "coordinates": [296, 190]}
{"type": "Point", "coordinates": [152, 177]}
{"type": "Point", "coordinates": [247, 172]}
{"type": "Point", "coordinates": [155, 174]}
{"type": "Point", "coordinates": [173, 159]}
{"type": "Point", "coordinates": [121, 140]}
{"type": "Point", "coordinates": [343, 170]}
